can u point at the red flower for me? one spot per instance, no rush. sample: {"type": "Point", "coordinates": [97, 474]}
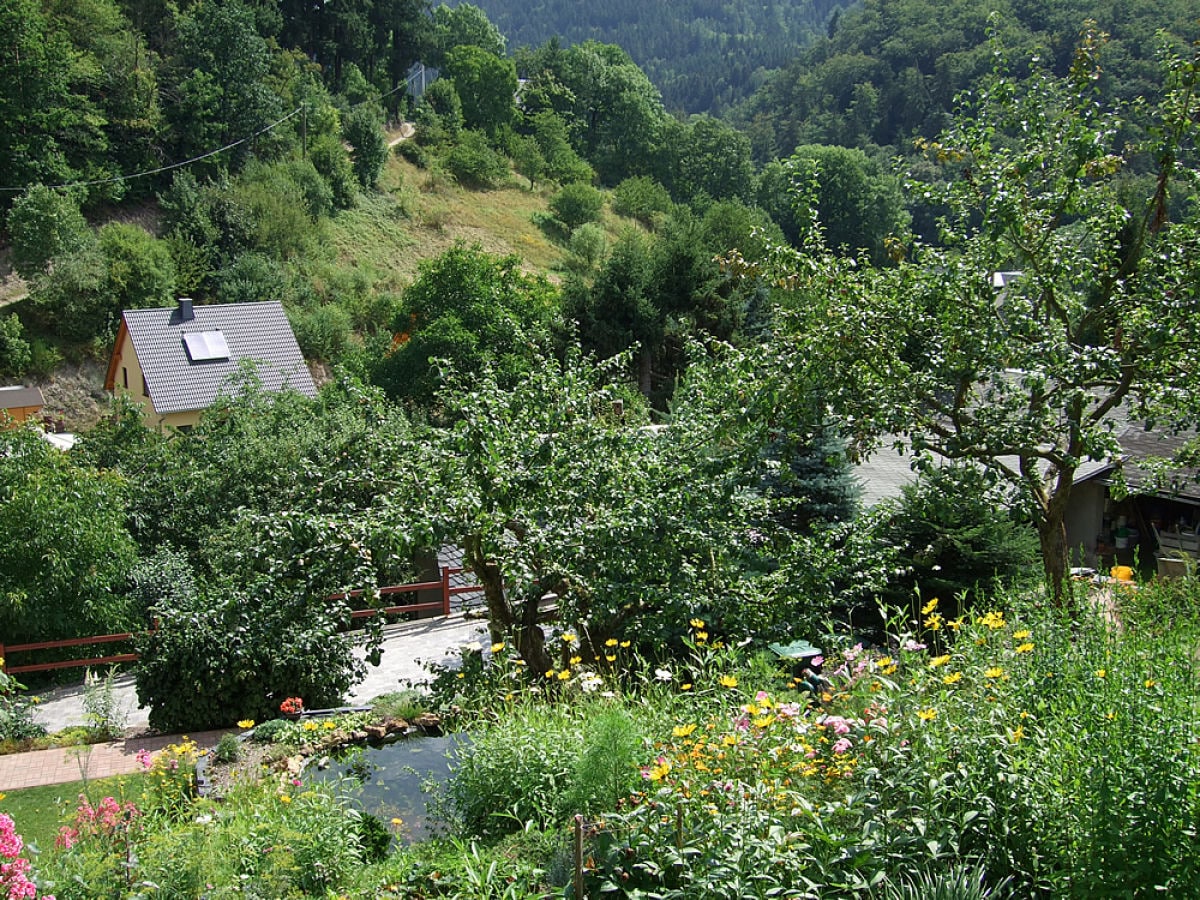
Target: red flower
{"type": "Point", "coordinates": [291, 706]}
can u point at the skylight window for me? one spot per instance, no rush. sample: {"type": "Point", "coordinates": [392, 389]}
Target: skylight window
{"type": "Point", "coordinates": [206, 345]}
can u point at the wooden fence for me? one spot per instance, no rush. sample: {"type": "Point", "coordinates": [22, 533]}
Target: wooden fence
{"type": "Point", "coordinates": [440, 606]}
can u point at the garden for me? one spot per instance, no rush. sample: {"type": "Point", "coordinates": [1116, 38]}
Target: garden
{"type": "Point", "coordinates": [1005, 751]}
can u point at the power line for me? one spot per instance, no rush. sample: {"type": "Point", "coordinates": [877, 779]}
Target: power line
{"type": "Point", "coordinates": [178, 165]}
{"type": "Point", "coordinates": [195, 159]}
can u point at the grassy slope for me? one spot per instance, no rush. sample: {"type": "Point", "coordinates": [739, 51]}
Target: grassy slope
{"type": "Point", "coordinates": [419, 215]}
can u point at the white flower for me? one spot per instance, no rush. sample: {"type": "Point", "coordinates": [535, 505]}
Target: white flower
{"type": "Point", "coordinates": [589, 681]}
{"type": "Point", "coordinates": [204, 819]}
{"type": "Point", "coordinates": [662, 674]}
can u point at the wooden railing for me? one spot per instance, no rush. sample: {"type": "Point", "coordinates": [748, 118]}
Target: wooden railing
{"type": "Point", "coordinates": [441, 606]}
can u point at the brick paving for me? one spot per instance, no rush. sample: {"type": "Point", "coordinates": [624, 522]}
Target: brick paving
{"type": "Point", "coordinates": [61, 765]}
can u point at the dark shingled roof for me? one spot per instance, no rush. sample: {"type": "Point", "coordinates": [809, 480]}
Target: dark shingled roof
{"type": "Point", "coordinates": [252, 331]}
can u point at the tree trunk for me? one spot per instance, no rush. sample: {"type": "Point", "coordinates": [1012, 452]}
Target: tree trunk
{"type": "Point", "coordinates": [503, 622]}
{"type": "Point", "coordinates": [1052, 534]}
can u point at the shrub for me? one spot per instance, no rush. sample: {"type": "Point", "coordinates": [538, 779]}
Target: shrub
{"type": "Point", "coordinates": [234, 653]}
{"type": "Point", "coordinates": [955, 537]}
{"type": "Point", "coordinates": [101, 705]}
{"type": "Point", "coordinates": [474, 163]}
{"type": "Point", "coordinates": [45, 223]}
{"type": "Point", "coordinates": [363, 129]}
{"type": "Point", "coordinates": [323, 332]}
{"type": "Point", "coordinates": [15, 353]}
{"type": "Point", "coordinates": [641, 198]}
{"type": "Point", "coordinates": [16, 716]}
{"type": "Point", "coordinates": [577, 204]}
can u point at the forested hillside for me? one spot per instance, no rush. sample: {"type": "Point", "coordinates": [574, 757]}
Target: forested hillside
{"type": "Point", "coordinates": [890, 70]}
{"type": "Point", "coordinates": [702, 54]}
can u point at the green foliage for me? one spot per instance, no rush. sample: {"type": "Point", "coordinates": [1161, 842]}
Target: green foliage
{"type": "Point", "coordinates": [810, 480]}
{"type": "Point", "coordinates": [16, 713]}
{"type": "Point", "coordinates": [44, 223]}
{"type": "Point", "coordinates": [228, 749]}
{"type": "Point", "coordinates": [704, 58]}
{"type": "Point", "coordinates": [465, 25]}
{"type": "Point", "coordinates": [842, 191]}
{"type": "Point", "coordinates": [588, 244]}
{"type": "Point", "coordinates": [486, 85]}
{"type": "Point", "coordinates": [474, 163]}
{"type": "Point", "coordinates": [64, 543]}
{"type": "Point", "coordinates": [233, 652]}
{"type": "Point", "coordinates": [641, 198]}
{"type": "Point", "coordinates": [1024, 381]}
{"type": "Point", "coordinates": [363, 128]}
{"type": "Point", "coordinates": [955, 537]}
{"type": "Point", "coordinates": [330, 158]}
{"type": "Point", "coordinates": [15, 352]}
{"type": "Point", "coordinates": [473, 309]}
{"type": "Point", "coordinates": [543, 765]}
{"type": "Point", "coordinates": [102, 707]}
{"type": "Point", "coordinates": [577, 204]}
{"type": "Point", "coordinates": [322, 331]}
{"type": "Point", "coordinates": [139, 268]}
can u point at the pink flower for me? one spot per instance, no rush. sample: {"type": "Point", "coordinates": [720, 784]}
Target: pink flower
{"type": "Point", "coordinates": [145, 759]}
{"type": "Point", "coordinates": [912, 646]}
{"type": "Point", "coordinates": [818, 661]}
{"type": "Point", "coordinates": [841, 746]}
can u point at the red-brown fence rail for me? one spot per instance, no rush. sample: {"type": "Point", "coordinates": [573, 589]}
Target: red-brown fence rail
{"type": "Point", "coordinates": [440, 605]}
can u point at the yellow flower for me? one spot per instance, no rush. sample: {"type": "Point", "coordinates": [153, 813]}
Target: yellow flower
{"type": "Point", "coordinates": [929, 607]}
{"type": "Point", "coordinates": [1101, 673]}
{"type": "Point", "coordinates": [1021, 635]}
{"type": "Point", "coordinates": [994, 672]}
{"type": "Point", "coordinates": [309, 725]}
{"type": "Point", "coordinates": [611, 642]}
{"type": "Point", "coordinates": [329, 725]}
{"type": "Point", "coordinates": [939, 661]}
{"type": "Point", "coordinates": [927, 715]}
{"type": "Point", "coordinates": [1150, 682]}
{"type": "Point", "coordinates": [498, 646]}
{"type": "Point", "coordinates": [883, 662]}
{"type": "Point", "coordinates": [609, 657]}
{"type": "Point", "coordinates": [888, 670]}
{"type": "Point", "coordinates": [246, 723]}
{"type": "Point", "coordinates": [934, 622]}
{"type": "Point", "coordinates": [549, 673]}
{"type": "Point", "coordinates": [728, 681]}
{"type": "Point", "coordinates": [729, 740]}
{"type": "Point", "coordinates": [284, 798]}
{"type": "Point", "coordinates": [1017, 733]}
{"type": "Point", "coordinates": [2, 796]}
{"type": "Point", "coordinates": [576, 660]}
{"type": "Point", "coordinates": [763, 721]}
{"type": "Point", "coordinates": [993, 620]}
{"type": "Point", "coordinates": [952, 678]}
{"type": "Point", "coordinates": [697, 623]}
{"type": "Point", "coordinates": [701, 637]}
{"type": "Point", "coordinates": [624, 645]}
{"type": "Point", "coordinates": [685, 687]}
{"type": "Point", "coordinates": [397, 821]}
{"type": "Point", "coordinates": [1024, 648]}
{"type": "Point", "coordinates": [681, 731]}
{"type": "Point", "coordinates": [955, 624]}
{"type": "Point", "coordinates": [564, 674]}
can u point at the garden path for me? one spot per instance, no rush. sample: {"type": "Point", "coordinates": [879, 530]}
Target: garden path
{"type": "Point", "coordinates": [407, 648]}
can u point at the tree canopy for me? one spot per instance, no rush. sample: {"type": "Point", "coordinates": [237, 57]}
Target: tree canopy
{"type": "Point", "coordinates": [1039, 177]}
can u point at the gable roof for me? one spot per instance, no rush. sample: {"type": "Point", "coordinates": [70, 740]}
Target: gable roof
{"type": "Point", "coordinates": [179, 381]}
{"type": "Point", "coordinates": [20, 397]}
{"type": "Point", "coordinates": [1139, 443]}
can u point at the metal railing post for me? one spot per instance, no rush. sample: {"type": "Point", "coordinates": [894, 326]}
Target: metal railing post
{"type": "Point", "coordinates": [445, 590]}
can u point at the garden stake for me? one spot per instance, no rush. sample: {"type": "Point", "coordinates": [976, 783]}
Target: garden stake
{"type": "Point", "coordinates": [679, 828]}
{"type": "Point", "coordinates": [578, 857]}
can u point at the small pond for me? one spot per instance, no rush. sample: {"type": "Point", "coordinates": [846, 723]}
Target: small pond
{"type": "Point", "coordinates": [391, 779]}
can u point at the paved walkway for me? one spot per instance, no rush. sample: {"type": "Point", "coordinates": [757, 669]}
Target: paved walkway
{"type": "Point", "coordinates": [406, 650]}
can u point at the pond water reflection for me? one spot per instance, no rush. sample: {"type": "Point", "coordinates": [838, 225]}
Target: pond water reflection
{"type": "Point", "coordinates": [390, 781]}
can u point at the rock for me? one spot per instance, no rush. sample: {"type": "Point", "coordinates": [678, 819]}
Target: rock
{"type": "Point", "coordinates": [429, 723]}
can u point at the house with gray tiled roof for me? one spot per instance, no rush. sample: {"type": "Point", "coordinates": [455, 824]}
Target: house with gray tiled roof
{"type": "Point", "coordinates": [175, 361]}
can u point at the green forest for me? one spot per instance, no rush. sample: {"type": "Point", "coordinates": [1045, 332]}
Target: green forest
{"type": "Point", "coordinates": [621, 334]}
